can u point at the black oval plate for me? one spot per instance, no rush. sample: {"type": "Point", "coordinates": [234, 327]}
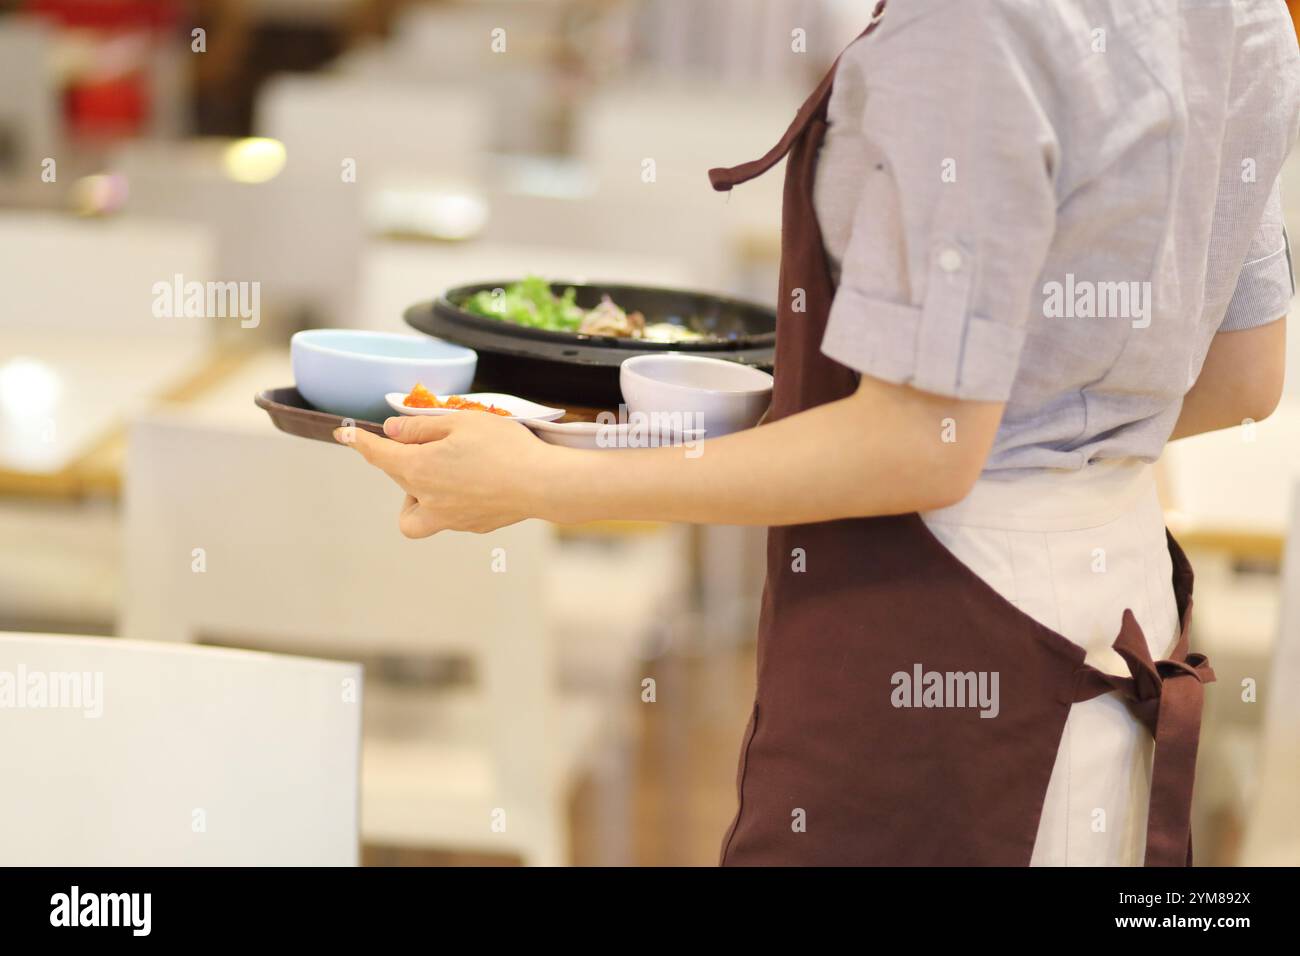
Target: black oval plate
{"type": "Point", "coordinates": [732, 323]}
{"type": "Point", "coordinates": [568, 368]}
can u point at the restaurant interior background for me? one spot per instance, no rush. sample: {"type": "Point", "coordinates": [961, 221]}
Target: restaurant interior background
{"type": "Point", "coordinates": [352, 157]}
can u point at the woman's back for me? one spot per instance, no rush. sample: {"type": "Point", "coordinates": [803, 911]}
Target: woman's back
{"type": "Point", "coordinates": [1097, 200]}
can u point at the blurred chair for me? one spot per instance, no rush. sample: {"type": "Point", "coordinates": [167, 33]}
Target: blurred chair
{"type": "Point", "coordinates": [1272, 825]}
{"type": "Point", "coordinates": [349, 139]}
{"type": "Point", "coordinates": [173, 755]}
{"type": "Point", "coordinates": [239, 534]}
{"type": "Point", "coordinates": [80, 351]}
{"type": "Point", "coordinates": [269, 232]}
{"type": "Point", "coordinates": [82, 277]}
{"type": "Point", "coordinates": [386, 126]}
{"type": "Point", "coordinates": [526, 85]}
{"type": "Point", "coordinates": [29, 102]}
{"type": "Point", "coordinates": [685, 131]}
{"type": "Point", "coordinates": [749, 41]}
{"type": "Point", "coordinates": [649, 147]}
{"type": "Point", "coordinates": [616, 597]}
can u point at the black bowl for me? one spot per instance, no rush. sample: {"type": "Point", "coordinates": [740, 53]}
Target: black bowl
{"type": "Point", "coordinates": [583, 369]}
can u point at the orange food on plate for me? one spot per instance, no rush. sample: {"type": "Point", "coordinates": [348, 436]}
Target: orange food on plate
{"type": "Point", "coordinates": [421, 397]}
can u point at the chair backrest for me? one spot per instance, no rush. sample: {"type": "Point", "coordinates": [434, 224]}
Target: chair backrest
{"type": "Point", "coordinates": [469, 39]}
{"type": "Point", "coordinates": [237, 533]}
{"type": "Point", "coordinates": [622, 129]}
{"type": "Point", "coordinates": [142, 753]}
{"type": "Point", "coordinates": [387, 126]}
{"type": "Point", "coordinates": [1273, 829]}
{"type": "Point", "coordinates": [103, 276]}
{"type": "Point", "coordinates": [258, 229]}
{"type": "Point", "coordinates": [242, 534]}
{"type": "Point", "coordinates": [29, 98]}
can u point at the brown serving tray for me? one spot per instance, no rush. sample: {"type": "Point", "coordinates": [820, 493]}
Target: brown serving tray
{"type": "Point", "coordinates": [290, 413]}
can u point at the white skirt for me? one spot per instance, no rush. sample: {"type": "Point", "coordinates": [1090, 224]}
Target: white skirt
{"type": "Point", "coordinates": [1073, 550]}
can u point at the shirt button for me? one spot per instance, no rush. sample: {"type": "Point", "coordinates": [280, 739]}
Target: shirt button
{"type": "Point", "coordinates": [950, 260]}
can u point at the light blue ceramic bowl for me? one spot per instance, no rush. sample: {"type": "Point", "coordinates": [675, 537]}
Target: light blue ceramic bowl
{"type": "Point", "coordinates": [347, 372]}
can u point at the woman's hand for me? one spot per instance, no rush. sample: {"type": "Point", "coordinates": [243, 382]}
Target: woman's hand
{"type": "Point", "coordinates": [468, 471]}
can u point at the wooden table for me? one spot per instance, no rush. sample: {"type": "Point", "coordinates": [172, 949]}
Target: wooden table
{"type": "Point", "coordinates": [73, 445]}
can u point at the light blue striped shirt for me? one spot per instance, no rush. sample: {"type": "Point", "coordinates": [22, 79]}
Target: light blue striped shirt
{"type": "Point", "coordinates": [1058, 204]}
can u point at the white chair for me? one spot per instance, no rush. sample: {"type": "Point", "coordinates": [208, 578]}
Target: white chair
{"type": "Point", "coordinates": [751, 40]}
{"type": "Point", "coordinates": [387, 126]}
{"type": "Point", "coordinates": [300, 551]}
{"type": "Point", "coordinates": [1273, 828]}
{"type": "Point", "coordinates": [166, 755]}
{"type": "Point", "coordinates": [29, 98]}
{"type": "Point", "coordinates": [736, 235]}
{"type": "Point", "coordinates": [443, 44]}
{"type": "Point", "coordinates": [81, 350]}
{"type": "Point", "coordinates": [622, 126]}
{"type": "Point", "coordinates": [455, 39]}
{"type": "Point", "coordinates": [258, 229]}
{"type": "Point", "coordinates": [63, 274]}
{"type": "Point", "coordinates": [393, 131]}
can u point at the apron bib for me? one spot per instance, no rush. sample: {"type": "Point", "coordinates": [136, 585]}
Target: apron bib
{"type": "Point", "coordinates": [905, 712]}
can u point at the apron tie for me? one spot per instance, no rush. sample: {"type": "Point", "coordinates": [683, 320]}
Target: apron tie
{"type": "Point", "coordinates": [1167, 696]}
{"type": "Point", "coordinates": [723, 178]}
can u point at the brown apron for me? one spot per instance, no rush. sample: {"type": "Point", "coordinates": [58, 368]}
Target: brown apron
{"type": "Point", "coordinates": [831, 771]}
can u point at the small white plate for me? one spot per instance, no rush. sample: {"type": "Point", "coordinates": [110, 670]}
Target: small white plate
{"type": "Point", "coordinates": [520, 409]}
{"type": "Point", "coordinates": [596, 436]}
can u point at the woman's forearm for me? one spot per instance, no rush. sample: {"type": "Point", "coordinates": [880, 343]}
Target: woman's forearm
{"type": "Point", "coordinates": [884, 450]}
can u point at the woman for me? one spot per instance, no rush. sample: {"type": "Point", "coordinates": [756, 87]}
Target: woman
{"type": "Point", "coordinates": [1024, 246]}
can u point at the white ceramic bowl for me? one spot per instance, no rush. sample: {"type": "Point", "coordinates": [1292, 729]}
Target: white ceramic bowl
{"type": "Point", "coordinates": [348, 372]}
{"type": "Point", "coordinates": [720, 396]}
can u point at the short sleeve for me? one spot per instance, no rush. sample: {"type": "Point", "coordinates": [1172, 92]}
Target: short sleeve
{"type": "Point", "coordinates": [955, 212]}
{"type": "Point", "coordinates": [1266, 282]}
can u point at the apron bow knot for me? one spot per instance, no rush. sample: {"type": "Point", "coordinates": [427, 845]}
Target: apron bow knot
{"type": "Point", "coordinates": [1148, 680]}
{"type": "Point", "coordinates": [1168, 703]}
{"type": "Point", "coordinates": [1195, 665]}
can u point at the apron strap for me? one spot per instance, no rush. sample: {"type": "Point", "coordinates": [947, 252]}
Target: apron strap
{"type": "Point", "coordinates": [1167, 696]}
{"type": "Point", "coordinates": [724, 178]}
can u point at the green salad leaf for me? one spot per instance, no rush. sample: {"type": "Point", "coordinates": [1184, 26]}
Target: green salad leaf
{"type": "Point", "coordinates": [529, 302]}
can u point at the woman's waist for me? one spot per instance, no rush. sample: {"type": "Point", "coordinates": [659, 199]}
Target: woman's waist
{"type": "Point", "coordinates": [1054, 499]}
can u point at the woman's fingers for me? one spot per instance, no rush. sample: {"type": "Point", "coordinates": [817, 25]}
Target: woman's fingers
{"type": "Point", "coordinates": [418, 429]}
{"type": "Point", "coordinates": [389, 456]}
{"type": "Point", "coordinates": [416, 521]}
